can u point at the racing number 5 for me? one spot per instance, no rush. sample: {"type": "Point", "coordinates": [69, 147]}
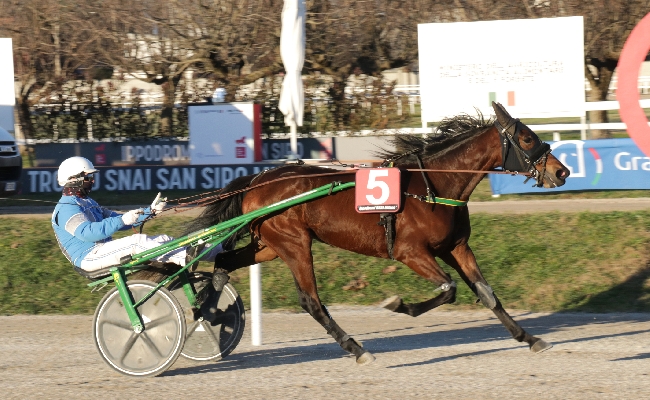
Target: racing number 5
{"type": "Point", "coordinates": [374, 183]}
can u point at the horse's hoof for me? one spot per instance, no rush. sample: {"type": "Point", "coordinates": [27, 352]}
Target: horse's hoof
{"type": "Point", "coordinates": [540, 346]}
{"type": "Point", "coordinates": [365, 358]}
{"type": "Point", "coordinates": [392, 303]}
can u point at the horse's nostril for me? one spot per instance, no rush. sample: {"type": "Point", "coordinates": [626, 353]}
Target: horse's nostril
{"type": "Point", "coordinates": [562, 173]}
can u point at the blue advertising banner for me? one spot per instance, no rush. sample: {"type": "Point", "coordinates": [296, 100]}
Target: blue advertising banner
{"type": "Point", "coordinates": [594, 164]}
{"type": "Point", "coordinates": [159, 178]}
{"type": "Point", "coordinates": [165, 152]}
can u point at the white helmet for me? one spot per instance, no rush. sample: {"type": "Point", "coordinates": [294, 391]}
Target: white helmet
{"type": "Point", "coordinates": [72, 171]}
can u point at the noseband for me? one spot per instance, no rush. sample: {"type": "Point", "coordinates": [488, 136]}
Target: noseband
{"type": "Point", "coordinates": [521, 160]}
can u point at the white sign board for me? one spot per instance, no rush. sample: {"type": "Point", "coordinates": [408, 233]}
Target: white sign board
{"type": "Point", "coordinates": [533, 67]}
{"type": "Point", "coordinates": [224, 133]}
{"type": "Point", "coordinates": [7, 94]}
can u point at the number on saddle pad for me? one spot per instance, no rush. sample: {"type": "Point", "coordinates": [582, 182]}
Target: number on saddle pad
{"type": "Point", "coordinates": [377, 190]}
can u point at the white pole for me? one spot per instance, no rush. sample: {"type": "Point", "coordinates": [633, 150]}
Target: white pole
{"type": "Point", "coordinates": [256, 304]}
{"type": "Point", "coordinates": [294, 140]}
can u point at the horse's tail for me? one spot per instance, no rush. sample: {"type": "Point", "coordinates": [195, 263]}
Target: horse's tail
{"type": "Point", "coordinates": [224, 209]}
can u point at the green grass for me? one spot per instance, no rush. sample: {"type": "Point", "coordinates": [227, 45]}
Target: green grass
{"type": "Point", "coordinates": [596, 262]}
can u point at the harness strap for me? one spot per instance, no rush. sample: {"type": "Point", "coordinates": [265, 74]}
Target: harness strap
{"type": "Point", "coordinates": [387, 220]}
{"type": "Point", "coordinates": [424, 177]}
{"type": "Point", "coordinates": [437, 200]}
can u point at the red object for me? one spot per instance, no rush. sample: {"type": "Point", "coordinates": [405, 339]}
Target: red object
{"type": "Point", "coordinates": [240, 152]}
{"type": "Point", "coordinates": [633, 54]}
{"type": "Point", "coordinates": [257, 132]}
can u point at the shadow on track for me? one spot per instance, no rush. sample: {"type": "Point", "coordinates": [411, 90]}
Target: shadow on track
{"type": "Point", "coordinates": [488, 331]}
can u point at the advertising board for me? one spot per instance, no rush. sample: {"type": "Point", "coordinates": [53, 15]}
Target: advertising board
{"type": "Point", "coordinates": [7, 93]}
{"type": "Point", "coordinates": [534, 67]}
{"type": "Point", "coordinates": [159, 178]}
{"type": "Point", "coordinates": [168, 152]}
{"type": "Point", "coordinates": [224, 133]}
{"type": "Point", "coordinates": [604, 164]}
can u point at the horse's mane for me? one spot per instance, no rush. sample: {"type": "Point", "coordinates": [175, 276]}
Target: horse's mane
{"type": "Point", "coordinates": [451, 132]}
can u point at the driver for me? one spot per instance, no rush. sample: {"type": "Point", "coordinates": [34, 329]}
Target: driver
{"type": "Point", "coordinates": [83, 228]}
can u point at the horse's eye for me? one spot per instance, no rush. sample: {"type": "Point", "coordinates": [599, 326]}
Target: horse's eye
{"type": "Point", "coordinates": [527, 139]}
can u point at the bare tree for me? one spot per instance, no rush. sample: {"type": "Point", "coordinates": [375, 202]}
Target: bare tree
{"type": "Point", "coordinates": [234, 43]}
{"type": "Point", "coordinates": [230, 43]}
{"type": "Point", "coordinates": [49, 45]}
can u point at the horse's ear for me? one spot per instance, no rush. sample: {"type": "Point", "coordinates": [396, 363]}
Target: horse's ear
{"type": "Point", "coordinates": [502, 115]}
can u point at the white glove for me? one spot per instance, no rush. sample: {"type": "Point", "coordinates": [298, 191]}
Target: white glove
{"type": "Point", "coordinates": [158, 204]}
{"type": "Point", "coordinates": [131, 217]}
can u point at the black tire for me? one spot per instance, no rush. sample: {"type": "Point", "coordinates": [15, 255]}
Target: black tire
{"type": "Point", "coordinates": [215, 340]}
{"type": "Point", "coordinates": [144, 354]}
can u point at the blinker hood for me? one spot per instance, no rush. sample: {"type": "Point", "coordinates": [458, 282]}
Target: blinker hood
{"type": "Point", "coordinates": [509, 129]}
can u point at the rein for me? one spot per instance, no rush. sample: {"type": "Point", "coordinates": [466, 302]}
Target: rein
{"type": "Point", "coordinates": [206, 199]}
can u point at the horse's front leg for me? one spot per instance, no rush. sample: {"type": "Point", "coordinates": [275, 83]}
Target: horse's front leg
{"type": "Point", "coordinates": [462, 260]}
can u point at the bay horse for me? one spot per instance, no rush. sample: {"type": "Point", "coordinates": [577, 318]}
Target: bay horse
{"type": "Point", "coordinates": [423, 230]}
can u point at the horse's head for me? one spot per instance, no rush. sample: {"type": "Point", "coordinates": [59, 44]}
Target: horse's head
{"type": "Point", "coordinates": [523, 151]}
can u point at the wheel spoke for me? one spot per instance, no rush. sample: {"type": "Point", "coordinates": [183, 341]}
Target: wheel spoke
{"type": "Point", "coordinates": [128, 346]}
{"type": "Point", "coordinates": [213, 338]}
{"type": "Point", "coordinates": [119, 324]}
{"type": "Point", "coordinates": [160, 321]}
{"type": "Point", "coordinates": [150, 344]}
{"type": "Point", "coordinates": [192, 329]}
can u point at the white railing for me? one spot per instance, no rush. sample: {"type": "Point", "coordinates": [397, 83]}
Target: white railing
{"type": "Point", "coordinates": [643, 84]}
{"type": "Point", "coordinates": [585, 126]}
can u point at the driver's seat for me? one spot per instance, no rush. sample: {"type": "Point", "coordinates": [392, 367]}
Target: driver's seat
{"type": "Point", "coordinates": [153, 271]}
{"type": "Point", "coordinates": [96, 274]}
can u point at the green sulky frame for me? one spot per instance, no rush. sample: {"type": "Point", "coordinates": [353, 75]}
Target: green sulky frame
{"type": "Point", "coordinates": [212, 235]}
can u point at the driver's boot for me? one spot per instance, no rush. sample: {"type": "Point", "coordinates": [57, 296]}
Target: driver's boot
{"type": "Point", "coordinates": [209, 308]}
{"type": "Point", "coordinates": [191, 253]}
{"type": "Point", "coordinates": [219, 278]}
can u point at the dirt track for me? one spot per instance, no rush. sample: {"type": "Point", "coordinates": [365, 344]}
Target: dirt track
{"type": "Point", "coordinates": [442, 354]}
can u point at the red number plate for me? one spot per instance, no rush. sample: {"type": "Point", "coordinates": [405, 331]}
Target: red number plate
{"type": "Point", "coordinates": [377, 190]}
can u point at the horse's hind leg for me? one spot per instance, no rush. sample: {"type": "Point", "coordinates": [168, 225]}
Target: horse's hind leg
{"type": "Point", "coordinates": [462, 260]}
{"type": "Point", "coordinates": [294, 248]}
{"type": "Point", "coordinates": [310, 302]}
{"type": "Point", "coordinates": [426, 266]}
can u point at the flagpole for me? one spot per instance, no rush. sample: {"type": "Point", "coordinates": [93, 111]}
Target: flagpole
{"type": "Point", "coordinates": [293, 140]}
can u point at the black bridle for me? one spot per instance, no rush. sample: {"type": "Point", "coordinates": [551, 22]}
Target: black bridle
{"type": "Point", "coordinates": [521, 160]}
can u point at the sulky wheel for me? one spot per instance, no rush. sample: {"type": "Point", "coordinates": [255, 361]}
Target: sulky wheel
{"type": "Point", "coordinates": [217, 334]}
{"type": "Point", "coordinates": [150, 352]}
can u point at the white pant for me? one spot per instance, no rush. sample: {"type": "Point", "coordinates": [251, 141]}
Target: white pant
{"type": "Point", "coordinates": [107, 254]}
